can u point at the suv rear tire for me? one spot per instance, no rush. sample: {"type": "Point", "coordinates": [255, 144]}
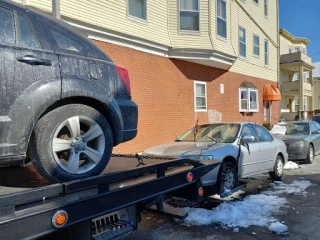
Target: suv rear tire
{"type": "Point", "coordinates": [71, 142]}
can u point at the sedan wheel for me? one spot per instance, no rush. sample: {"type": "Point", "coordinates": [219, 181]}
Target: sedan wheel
{"type": "Point", "coordinates": [277, 172]}
{"type": "Point", "coordinates": [228, 178]}
{"type": "Point", "coordinates": [310, 157]}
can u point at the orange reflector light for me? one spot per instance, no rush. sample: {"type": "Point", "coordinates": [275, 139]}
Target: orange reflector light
{"type": "Point", "coordinates": [200, 191]}
{"type": "Point", "coordinates": [59, 219]}
{"type": "Point", "coordinates": [190, 177]}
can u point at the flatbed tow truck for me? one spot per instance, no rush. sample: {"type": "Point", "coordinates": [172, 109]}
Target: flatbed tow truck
{"type": "Point", "coordinates": [107, 206]}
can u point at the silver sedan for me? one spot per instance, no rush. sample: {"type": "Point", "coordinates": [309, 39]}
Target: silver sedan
{"type": "Point", "coordinates": [244, 148]}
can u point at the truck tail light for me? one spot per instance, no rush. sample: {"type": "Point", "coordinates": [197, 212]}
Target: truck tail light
{"type": "Point", "coordinates": [123, 73]}
{"type": "Point", "coordinates": [190, 177]}
{"type": "Point", "coordinates": [60, 219]}
{"type": "Point", "coordinates": [200, 191]}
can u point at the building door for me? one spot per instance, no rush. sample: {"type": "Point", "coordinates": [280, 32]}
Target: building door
{"type": "Point", "coordinates": [267, 110]}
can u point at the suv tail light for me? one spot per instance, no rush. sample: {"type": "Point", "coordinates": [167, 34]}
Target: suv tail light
{"type": "Point", "coordinates": [123, 73]}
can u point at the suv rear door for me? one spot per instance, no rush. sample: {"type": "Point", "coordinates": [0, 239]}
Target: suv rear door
{"type": "Point", "coordinates": [26, 64]}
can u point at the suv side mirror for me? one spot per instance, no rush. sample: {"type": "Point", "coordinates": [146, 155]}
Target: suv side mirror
{"type": "Point", "coordinates": [247, 139]}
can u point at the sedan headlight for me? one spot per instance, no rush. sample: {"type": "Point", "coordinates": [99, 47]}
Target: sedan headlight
{"type": "Point", "coordinates": [298, 144]}
{"type": "Point", "coordinates": [199, 157]}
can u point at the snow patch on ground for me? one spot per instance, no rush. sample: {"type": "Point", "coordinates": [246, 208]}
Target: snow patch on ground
{"type": "Point", "coordinates": [291, 165]}
{"type": "Point", "coordinates": [253, 210]}
{"type": "Point", "coordinates": [278, 227]}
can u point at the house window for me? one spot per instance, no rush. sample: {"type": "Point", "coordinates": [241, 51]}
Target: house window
{"type": "Point", "coordinates": [256, 45]}
{"type": "Point", "coordinates": [305, 103]}
{"type": "Point", "coordinates": [221, 18]}
{"type": "Point", "coordinates": [290, 51]}
{"type": "Point", "coordinates": [242, 42]}
{"type": "Point", "coordinates": [304, 50]}
{"type": "Point", "coordinates": [200, 96]}
{"type": "Point", "coordinates": [296, 77]}
{"type": "Point", "coordinates": [137, 9]}
{"type": "Point", "coordinates": [248, 100]}
{"type": "Point", "coordinates": [266, 8]}
{"type": "Point", "coordinates": [297, 49]}
{"type": "Point", "coordinates": [256, 1]}
{"type": "Point", "coordinates": [266, 52]}
{"type": "Point", "coordinates": [296, 104]}
{"type": "Point", "coordinates": [189, 15]}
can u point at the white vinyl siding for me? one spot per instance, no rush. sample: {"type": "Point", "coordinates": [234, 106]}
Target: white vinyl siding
{"type": "Point", "coordinates": [221, 18]}
{"type": "Point", "coordinates": [200, 96]}
{"type": "Point", "coordinates": [137, 9]}
{"type": "Point", "coordinates": [242, 42]}
{"type": "Point", "coordinates": [256, 45]}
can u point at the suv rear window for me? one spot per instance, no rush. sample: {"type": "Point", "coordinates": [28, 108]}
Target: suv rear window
{"type": "Point", "coordinates": [65, 43]}
{"type": "Point", "coordinates": [7, 31]}
{"type": "Point", "coordinates": [27, 37]}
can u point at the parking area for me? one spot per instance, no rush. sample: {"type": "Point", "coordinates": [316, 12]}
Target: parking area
{"type": "Point", "coordinates": [299, 211]}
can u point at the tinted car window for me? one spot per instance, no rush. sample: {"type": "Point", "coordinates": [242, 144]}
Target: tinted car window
{"type": "Point", "coordinates": [248, 130]}
{"type": "Point", "coordinates": [317, 125]}
{"type": "Point", "coordinates": [316, 118]}
{"type": "Point", "coordinates": [7, 31]}
{"type": "Point", "coordinates": [263, 134]}
{"type": "Point", "coordinates": [64, 42]}
{"type": "Point", "coordinates": [313, 127]}
{"type": "Point", "coordinates": [26, 36]}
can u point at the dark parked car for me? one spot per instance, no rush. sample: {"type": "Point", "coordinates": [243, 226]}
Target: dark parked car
{"type": "Point", "coordinates": [301, 137]}
{"type": "Point", "coordinates": [63, 102]}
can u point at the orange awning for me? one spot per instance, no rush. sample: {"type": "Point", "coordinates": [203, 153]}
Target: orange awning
{"type": "Point", "coordinates": [271, 92]}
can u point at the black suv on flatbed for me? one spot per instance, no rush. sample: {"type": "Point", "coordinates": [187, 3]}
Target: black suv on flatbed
{"type": "Point", "coordinates": [63, 102]}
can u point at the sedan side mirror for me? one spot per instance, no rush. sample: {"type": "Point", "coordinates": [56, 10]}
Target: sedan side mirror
{"type": "Point", "coordinates": [316, 132]}
{"type": "Point", "coordinates": [247, 139]}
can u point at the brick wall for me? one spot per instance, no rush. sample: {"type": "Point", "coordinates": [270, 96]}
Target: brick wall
{"type": "Point", "coordinates": [163, 88]}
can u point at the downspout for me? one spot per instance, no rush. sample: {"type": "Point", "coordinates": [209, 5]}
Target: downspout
{"type": "Point", "coordinates": [210, 24]}
{"type": "Point", "coordinates": [56, 9]}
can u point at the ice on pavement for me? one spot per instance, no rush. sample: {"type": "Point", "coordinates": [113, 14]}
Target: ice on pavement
{"type": "Point", "coordinates": [278, 227]}
{"type": "Point", "coordinates": [291, 165]}
{"type": "Point", "coordinates": [253, 210]}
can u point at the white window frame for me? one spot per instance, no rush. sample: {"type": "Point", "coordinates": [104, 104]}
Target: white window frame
{"type": "Point", "coordinates": [179, 23]}
{"type": "Point", "coordinates": [255, 55]}
{"type": "Point", "coordinates": [245, 43]}
{"type": "Point", "coordinates": [296, 48]}
{"type": "Point", "coordinates": [296, 103]}
{"type": "Point", "coordinates": [218, 36]}
{"type": "Point", "coordinates": [266, 53]}
{"type": "Point", "coordinates": [195, 96]}
{"type": "Point", "coordinates": [296, 78]}
{"type": "Point", "coordinates": [137, 18]}
{"type": "Point", "coordinates": [248, 91]}
{"type": "Point", "coordinates": [257, 3]}
{"type": "Point", "coordinates": [266, 8]}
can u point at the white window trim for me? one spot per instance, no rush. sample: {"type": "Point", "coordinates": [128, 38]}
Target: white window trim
{"type": "Point", "coordinates": [266, 5]}
{"type": "Point", "coordinates": [266, 41]}
{"type": "Point", "coordinates": [196, 32]}
{"type": "Point", "coordinates": [257, 4]}
{"type": "Point", "coordinates": [255, 55]}
{"type": "Point", "coordinates": [218, 36]}
{"type": "Point", "coordinates": [248, 90]}
{"type": "Point", "coordinates": [195, 96]}
{"type": "Point", "coordinates": [245, 43]}
{"type": "Point", "coordinates": [136, 19]}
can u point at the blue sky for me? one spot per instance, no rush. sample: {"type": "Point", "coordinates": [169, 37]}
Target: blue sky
{"type": "Point", "coordinates": [302, 20]}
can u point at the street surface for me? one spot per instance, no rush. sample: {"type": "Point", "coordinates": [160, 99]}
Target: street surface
{"type": "Point", "coordinates": [301, 215]}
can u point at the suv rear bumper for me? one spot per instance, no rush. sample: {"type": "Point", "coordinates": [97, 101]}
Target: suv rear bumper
{"type": "Point", "coordinates": [129, 112]}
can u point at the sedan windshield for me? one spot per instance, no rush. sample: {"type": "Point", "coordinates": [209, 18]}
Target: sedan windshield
{"type": "Point", "coordinates": [297, 129]}
{"type": "Point", "coordinates": [222, 133]}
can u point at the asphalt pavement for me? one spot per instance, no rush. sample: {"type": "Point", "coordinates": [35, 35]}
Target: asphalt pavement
{"type": "Point", "coordinates": [301, 215]}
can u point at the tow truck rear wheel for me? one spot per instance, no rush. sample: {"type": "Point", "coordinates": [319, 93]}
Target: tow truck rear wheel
{"type": "Point", "coordinates": [71, 142]}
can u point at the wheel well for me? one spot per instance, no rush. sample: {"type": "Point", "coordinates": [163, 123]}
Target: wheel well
{"type": "Point", "coordinates": [99, 106]}
{"type": "Point", "coordinates": [282, 157]}
{"type": "Point", "coordinates": [230, 159]}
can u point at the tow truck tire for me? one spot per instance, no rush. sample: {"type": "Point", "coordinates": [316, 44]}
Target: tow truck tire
{"type": "Point", "coordinates": [228, 176]}
{"type": "Point", "coordinates": [277, 172]}
{"type": "Point", "coordinates": [71, 142]}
